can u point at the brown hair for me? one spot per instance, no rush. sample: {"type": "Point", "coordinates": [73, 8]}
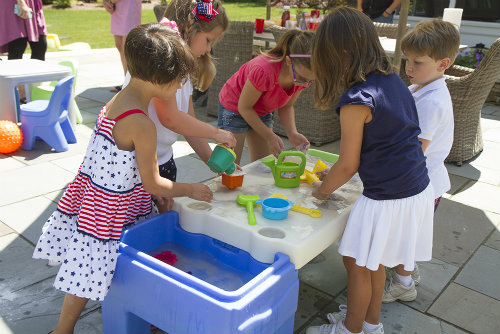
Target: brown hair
{"type": "Point", "coordinates": [180, 12]}
{"type": "Point", "coordinates": [437, 39]}
{"type": "Point", "coordinates": [293, 42]}
{"type": "Point", "coordinates": [346, 49]}
{"type": "Point", "coordinates": [155, 53]}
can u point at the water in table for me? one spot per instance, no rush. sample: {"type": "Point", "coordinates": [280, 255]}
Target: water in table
{"type": "Point", "coordinates": [205, 266]}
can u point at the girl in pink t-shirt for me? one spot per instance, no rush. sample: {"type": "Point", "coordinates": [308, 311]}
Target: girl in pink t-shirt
{"type": "Point", "coordinates": [268, 82]}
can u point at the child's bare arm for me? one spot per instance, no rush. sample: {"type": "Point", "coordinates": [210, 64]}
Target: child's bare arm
{"type": "Point", "coordinates": [425, 143]}
{"type": "Point", "coordinates": [142, 133]}
{"type": "Point", "coordinates": [249, 96]}
{"type": "Point", "coordinates": [352, 121]}
{"type": "Point", "coordinates": [187, 125]}
{"type": "Point", "coordinates": [287, 118]}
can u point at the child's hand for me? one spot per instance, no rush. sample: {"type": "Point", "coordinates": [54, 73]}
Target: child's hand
{"type": "Point", "coordinates": [201, 192]}
{"type": "Point", "coordinates": [317, 193]}
{"type": "Point", "coordinates": [322, 173]}
{"type": "Point", "coordinates": [299, 141]}
{"type": "Point", "coordinates": [275, 144]}
{"type": "Point", "coordinates": [226, 138]}
{"type": "Point", "coordinates": [108, 6]}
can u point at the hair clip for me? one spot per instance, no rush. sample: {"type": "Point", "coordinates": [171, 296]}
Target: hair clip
{"type": "Point", "coordinates": [204, 10]}
{"type": "Point", "coordinates": [171, 24]}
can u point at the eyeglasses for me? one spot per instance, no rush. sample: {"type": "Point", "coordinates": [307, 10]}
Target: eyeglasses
{"type": "Point", "coordinates": [300, 82]}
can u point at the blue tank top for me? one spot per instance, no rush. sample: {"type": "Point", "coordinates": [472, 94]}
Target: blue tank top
{"type": "Point", "coordinates": [392, 164]}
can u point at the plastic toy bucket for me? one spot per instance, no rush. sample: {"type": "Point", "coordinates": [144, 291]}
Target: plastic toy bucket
{"type": "Point", "coordinates": [275, 208]}
{"type": "Point", "coordinates": [222, 160]}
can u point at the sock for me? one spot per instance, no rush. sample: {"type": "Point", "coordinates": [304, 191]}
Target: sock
{"type": "Point", "coordinates": [346, 331]}
{"type": "Point", "coordinates": [371, 327]}
{"type": "Point", "coordinates": [405, 280]}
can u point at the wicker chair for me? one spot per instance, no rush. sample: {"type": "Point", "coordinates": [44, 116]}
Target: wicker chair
{"type": "Point", "coordinates": [469, 89]}
{"type": "Point", "coordinates": [388, 30]}
{"type": "Point", "coordinates": [319, 126]}
{"type": "Point", "coordinates": [229, 54]}
{"type": "Point", "coordinates": [159, 10]}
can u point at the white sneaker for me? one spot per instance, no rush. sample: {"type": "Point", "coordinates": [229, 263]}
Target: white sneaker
{"type": "Point", "coordinates": [335, 328]}
{"type": "Point", "coordinates": [395, 290]}
{"type": "Point", "coordinates": [337, 316]}
{"type": "Point", "coordinates": [379, 330]}
{"type": "Point", "coordinates": [415, 274]}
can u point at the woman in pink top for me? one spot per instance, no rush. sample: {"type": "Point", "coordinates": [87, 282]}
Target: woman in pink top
{"type": "Point", "coordinates": [27, 26]}
{"type": "Point", "coordinates": [125, 15]}
{"type": "Point", "coordinates": [268, 82]}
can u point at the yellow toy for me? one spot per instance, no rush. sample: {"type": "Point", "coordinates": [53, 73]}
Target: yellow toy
{"type": "Point", "coordinates": [311, 177]}
{"type": "Point", "coordinates": [320, 165]}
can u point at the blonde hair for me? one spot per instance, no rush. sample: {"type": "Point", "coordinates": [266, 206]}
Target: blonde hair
{"type": "Point", "coordinates": [293, 42]}
{"type": "Point", "coordinates": [180, 12]}
{"type": "Point", "coordinates": [155, 53]}
{"type": "Point", "coordinates": [437, 39]}
{"type": "Point", "coordinates": [346, 49]}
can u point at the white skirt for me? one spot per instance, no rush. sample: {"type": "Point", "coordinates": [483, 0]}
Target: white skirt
{"type": "Point", "coordinates": [390, 232]}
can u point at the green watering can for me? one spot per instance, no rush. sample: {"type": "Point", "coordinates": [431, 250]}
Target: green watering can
{"type": "Point", "coordinates": [286, 174]}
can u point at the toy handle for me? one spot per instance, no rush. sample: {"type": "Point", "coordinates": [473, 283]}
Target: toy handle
{"type": "Point", "coordinates": [311, 212]}
{"type": "Point", "coordinates": [251, 215]}
{"type": "Point", "coordinates": [302, 165]}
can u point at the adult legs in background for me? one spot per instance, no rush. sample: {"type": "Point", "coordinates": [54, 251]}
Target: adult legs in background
{"type": "Point", "coordinates": [39, 48]}
{"type": "Point", "coordinates": [120, 45]}
{"type": "Point", "coordinates": [18, 46]}
{"type": "Point", "coordinates": [70, 312]}
{"type": "Point", "coordinates": [364, 294]}
{"type": "Point", "coordinates": [256, 145]}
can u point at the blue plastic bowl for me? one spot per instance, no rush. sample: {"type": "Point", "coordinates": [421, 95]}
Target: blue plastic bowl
{"type": "Point", "coordinates": [275, 208]}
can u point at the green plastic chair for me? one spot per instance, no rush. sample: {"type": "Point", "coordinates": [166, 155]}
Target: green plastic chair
{"type": "Point", "coordinates": [44, 92]}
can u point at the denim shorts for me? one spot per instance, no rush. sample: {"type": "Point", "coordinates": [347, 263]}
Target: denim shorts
{"type": "Point", "coordinates": [233, 122]}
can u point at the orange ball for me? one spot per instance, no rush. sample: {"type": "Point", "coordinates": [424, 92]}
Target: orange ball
{"type": "Point", "coordinates": [11, 137]}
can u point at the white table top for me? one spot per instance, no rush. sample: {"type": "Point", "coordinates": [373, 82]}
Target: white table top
{"type": "Point", "coordinates": [18, 68]}
{"type": "Point", "coordinates": [299, 236]}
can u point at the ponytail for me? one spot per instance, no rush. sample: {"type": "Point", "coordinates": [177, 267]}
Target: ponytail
{"type": "Point", "coordinates": [293, 42]}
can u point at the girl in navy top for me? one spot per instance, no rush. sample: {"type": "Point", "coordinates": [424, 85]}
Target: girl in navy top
{"type": "Point", "coordinates": [391, 223]}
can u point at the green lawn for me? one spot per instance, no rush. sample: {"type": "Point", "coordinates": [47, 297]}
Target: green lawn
{"type": "Point", "coordinates": [92, 26]}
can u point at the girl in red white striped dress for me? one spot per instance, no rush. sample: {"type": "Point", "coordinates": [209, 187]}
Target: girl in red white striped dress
{"type": "Point", "coordinates": [118, 175]}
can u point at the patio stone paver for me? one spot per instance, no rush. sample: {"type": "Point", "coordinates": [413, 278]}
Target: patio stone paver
{"type": "Point", "coordinates": [468, 309]}
{"type": "Point", "coordinates": [31, 181]}
{"type": "Point", "coordinates": [326, 271]}
{"type": "Point", "coordinates": [494, 240]}
{"type": "Point", "coordinates": [486, 261]}
{"type": "Point", "coordinates": [482, 196]}
{"type": "Point", "coordinates": [456, 182]}
{"type": "Point", "coordinates": [435, 275]}
{"type": "Point", "coordinates": [400, 318]}
{"type": "Point", "coordinates": [459, 230]}
{"type": "Point", "coordinates": [482, 174]}
{"type": "Point", "coordinates": [28, 217]}
{"type": "Point", "coordinates": [9, 163]}
{"type": "Point", "coordinates": [42, 152]}
{"type": "Point", "coordinates": [71, 164]}
{"type": "Point", "coordinates": [4, 229]}
{"type": "Point", "coordinates": [311, 301]}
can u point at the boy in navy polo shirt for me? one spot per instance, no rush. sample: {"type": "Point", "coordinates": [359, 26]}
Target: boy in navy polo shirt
{"type": "Point", "coordinates": [430, 49]}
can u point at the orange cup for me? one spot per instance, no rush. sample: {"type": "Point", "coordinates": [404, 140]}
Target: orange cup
{"type": "Point", "coordinates": [232, 181]}
{"type": "Point", "coordinates": [259, 26]}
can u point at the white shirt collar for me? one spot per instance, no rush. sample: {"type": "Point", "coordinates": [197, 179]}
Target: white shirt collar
{"type": "Point", "coordinates": [436, 84]}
